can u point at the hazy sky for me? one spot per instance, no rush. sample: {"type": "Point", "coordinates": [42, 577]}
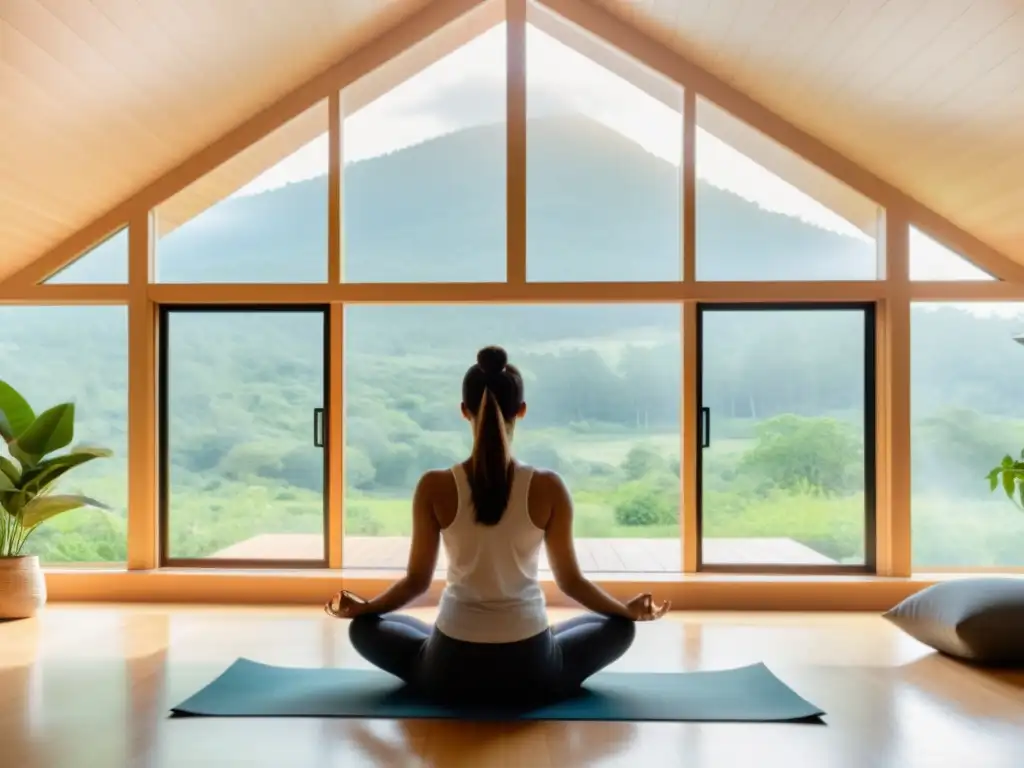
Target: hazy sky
{"type": "Point", "coordinates": [466, 88]}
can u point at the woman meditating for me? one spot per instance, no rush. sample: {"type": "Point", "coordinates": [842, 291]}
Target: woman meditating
{"type": "Point", "coordinates": [492, 642]}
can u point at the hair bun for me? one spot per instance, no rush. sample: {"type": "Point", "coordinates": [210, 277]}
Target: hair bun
{"type": "Point", "coordinates": [492, 359]}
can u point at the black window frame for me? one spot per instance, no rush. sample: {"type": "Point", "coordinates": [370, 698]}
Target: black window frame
{"type": "Point", "coordinates": [869, 313]}
{"type": "Point", "coordinates": [165, 560]}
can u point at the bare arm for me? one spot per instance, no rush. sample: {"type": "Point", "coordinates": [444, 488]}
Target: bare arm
{"type": "Point", "coordinates": [562, 555]}
{"type": "Point", "coordinates": [426, 539]}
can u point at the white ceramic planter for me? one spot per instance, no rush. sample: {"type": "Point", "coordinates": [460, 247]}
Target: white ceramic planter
{"type": "Point", "coordinates": [22, 587]}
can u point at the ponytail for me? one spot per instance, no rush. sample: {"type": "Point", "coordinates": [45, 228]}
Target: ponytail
{"type": "Point", "coordinates": [492, 390]}
{"type": "Point", "coordinates": [490, 477]}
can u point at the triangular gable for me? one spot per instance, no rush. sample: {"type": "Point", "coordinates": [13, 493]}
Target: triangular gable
{"type": "Point", "coordinates": [597, 24]}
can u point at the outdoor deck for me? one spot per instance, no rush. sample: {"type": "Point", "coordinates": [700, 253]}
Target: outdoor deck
{"type": "Point", "coordinates": [595, 555]}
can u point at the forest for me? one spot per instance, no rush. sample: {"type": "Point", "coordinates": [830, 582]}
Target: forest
{"type": "Point", "coordinates": [786, 388]}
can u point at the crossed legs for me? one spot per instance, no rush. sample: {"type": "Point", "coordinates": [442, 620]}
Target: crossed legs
{"type": "Point", "coordinates": [583, 645]}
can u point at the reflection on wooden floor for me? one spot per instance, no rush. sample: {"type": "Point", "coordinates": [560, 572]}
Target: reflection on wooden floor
{"type": "Point", "coordinates": [90, 687]}
{"type": "Point", "coordinates": [595, 555]}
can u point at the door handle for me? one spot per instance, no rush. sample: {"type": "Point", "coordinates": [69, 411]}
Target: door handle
{"type": "Point", "coordinates": [318, 427]}
{"type": "Point", "coordinates": [705, 438]}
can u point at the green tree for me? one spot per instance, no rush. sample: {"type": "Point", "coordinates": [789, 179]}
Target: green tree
{"type": "Point", "coordinates": [797, 452]}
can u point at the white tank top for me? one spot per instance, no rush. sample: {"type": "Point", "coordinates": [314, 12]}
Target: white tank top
{"type": "Point", "coordinates": [493, 595]}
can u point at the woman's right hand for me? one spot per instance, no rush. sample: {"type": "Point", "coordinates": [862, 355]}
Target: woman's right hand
{"type": "Point", "coordinates": [345, 605]}
{"type": "Point", "coordinates": [643, 608]}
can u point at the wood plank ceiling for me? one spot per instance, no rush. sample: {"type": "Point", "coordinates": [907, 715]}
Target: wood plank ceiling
{"type": "Point", "coordinates": [99, 97]}
{"type": "Point", "coordinates": [926, 94]}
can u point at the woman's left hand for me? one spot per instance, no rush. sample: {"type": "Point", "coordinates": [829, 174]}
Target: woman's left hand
{"type": "Point", "coordinates": [643, 608]}
{"type": "Point", "coordinates": [345, 606]}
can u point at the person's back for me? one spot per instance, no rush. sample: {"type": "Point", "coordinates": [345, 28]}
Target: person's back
{"type": "Point", "coordinates": [492, 643]}
{"type": "Point", "coordinates": [493, 594]}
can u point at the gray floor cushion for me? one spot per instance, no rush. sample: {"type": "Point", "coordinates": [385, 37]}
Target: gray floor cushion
{"type": "Point", "coordinates": [977, 619]}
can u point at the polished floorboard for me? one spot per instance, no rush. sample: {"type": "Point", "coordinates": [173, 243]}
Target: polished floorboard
{"type": "Point", "coordinates": [89, 686]}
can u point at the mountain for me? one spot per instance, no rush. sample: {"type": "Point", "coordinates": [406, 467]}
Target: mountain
{"type": "Point", "coordinates": [599, 208]}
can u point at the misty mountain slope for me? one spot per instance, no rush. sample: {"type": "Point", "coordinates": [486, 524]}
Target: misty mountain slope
{"type": "Point", "coordinates": [599, 208]}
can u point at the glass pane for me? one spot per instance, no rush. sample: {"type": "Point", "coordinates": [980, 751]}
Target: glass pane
{"type": "Point", "coordinates": [602, 389]}
{"type": "Point", "coordinates": [106, 262]}
{"type": "Point", "coordinates": [967, 365]}
{"type": "Point", "coordinates": [930, 260]}
{"type": "Point", "coordinates": [55, 355]}
{"type": "Point", "coordinates": [261, 217]}
{"type": "Point", "coordinates": [763, 213]}
{"type": "Point", "coordinates": [783, 481]}
{"type": "Point", "coordinates": [603, 155]}
{"type": "Point", "coordinates": [424, 174]}
{"type": "Point", "coordinates": [246, 480]}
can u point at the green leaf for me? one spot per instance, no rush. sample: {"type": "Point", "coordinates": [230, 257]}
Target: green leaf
{"type": "Point", "coordinates": [42, 508]}
{"type": "Point", "coordinates": [993, 479]}
{"type": "Point", "coordinates": [16, 414]}
{"type": "Point", "coordinates": [52, 430]}
{"type": "Point", "coordinates": [1007, 462]}
{"type": "Point", "coordinates": [13, 500]}
{"type": "Point", "coordinates": [6, 484]}
{"type": "Point", "coordinates": [27, 459]}
{"type": "Point", "coordinates": [9, 468]}
{"type": "Point", "coordinates": [93, 450]}
{"type": "Point", "coordinates": [1009, 484]}
{"type": "Point", "coordinates": [47, 472]}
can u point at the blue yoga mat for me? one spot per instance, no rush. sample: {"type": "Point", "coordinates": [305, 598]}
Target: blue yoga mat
{"type": "Point", "coordinates": [747, 694]}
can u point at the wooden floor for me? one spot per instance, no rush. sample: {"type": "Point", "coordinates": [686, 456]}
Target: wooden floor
{"type": "Point", "coordinates": [90, 687]}
{"type": "Point", "coordinates": [595, 555]}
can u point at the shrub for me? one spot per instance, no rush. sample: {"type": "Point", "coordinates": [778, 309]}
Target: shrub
{"type": "Point", "coordinates": [645, 504]}
{"type": "Point", "coordinates": [642, 460]}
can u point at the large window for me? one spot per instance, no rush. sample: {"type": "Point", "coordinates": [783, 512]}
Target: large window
{"type": "Point", "coordinates": [763, 213]}
{"type": "Point", "coordinates": [424, 174]}
{"type": "Point", "coordinates": [243, 430]}
{"type": "Point", "coordinates": [261, 217]}
{"type": "Point", "coordinates": [602, 167]}
{"type": "Point", "coordinates": [77, 354]}
{"type": "Point", "coordinates": [967, 410]}
{"type": "Point", "coordinates": [787, 471]}
{"type": "Point", "coordinates": [602, 391]}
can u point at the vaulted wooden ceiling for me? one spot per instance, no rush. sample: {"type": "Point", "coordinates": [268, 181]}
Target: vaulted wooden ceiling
{"type": "Point", "coordinates": [926, 94]}
{"type": "Point", "coordinates": [100, 97]}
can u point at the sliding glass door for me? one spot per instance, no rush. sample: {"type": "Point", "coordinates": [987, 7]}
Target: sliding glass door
{"type": "Point", "coordinates": [242, 436]}
{"type": "Point", "coordinates": [786, 467]}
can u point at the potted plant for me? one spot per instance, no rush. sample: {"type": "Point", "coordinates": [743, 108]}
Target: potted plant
{"type": "Point", "coordinates": [28, 474]}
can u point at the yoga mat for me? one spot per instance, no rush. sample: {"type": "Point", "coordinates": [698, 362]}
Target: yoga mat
{"type": "Point", "coordinates": [746, 694]}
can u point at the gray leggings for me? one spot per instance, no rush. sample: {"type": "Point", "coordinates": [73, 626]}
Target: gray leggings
{"type": "Point", "coordinates": [549, 665]}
